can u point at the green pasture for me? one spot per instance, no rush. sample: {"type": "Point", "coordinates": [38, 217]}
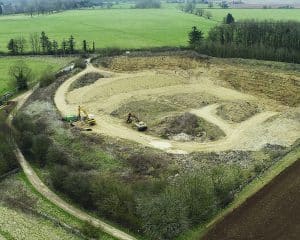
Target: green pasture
{"type": "Point", "coordinates": [124, 28]}
{"type": "Point", "coordinates": [257, 14]}
{"type": "Point", "coordinates": [37, 64]}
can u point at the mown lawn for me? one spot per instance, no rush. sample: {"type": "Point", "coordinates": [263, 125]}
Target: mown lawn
{"type": "Point", "coordinates": [37, 64]}
{"type": "Point", "coordinates": [124, 28]}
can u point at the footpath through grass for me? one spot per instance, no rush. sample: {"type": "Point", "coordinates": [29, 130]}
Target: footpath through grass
{"type": "Point", "coordinates": [38, 65]}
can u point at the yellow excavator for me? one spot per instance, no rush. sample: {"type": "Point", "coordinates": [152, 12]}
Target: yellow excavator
{"type": "Point", "coordinates": [83, 120]}
{"type": "Point", "coordinates": [87, 118]}
{"type": "Point", "coordinates": [141, 126]}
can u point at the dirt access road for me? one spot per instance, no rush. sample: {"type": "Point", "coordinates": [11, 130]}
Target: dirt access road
{"type": "Point", "coordinates": [252, 134]}
{"type": "Point", "coordinates": [52, 197]}
{"type": "Point", "coordinates": [271, 214]}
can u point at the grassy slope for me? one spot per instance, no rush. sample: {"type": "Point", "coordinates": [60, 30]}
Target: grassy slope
{"type": "Point", "coordinates": [34, 226]}
{"type": "Point", "coordinates": [13, 224]}
{"type": "Point", "coordinates": [37, 64]}
{"type": "Point", "coordinates": [16, 224]}
{"type": "Point", "coordinates": [127, 28]}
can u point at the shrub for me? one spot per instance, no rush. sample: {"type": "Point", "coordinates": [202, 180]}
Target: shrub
{"type": "Point", "coordinates": [226, 180]}
{"type": "Point", "coordinates": [21, 73]}
{"type": "Point", "coordinates": [146, 164]}
{"type": "Point", "coordinates": [23, 122]}
{"type": "Point", "coordinates": [78, 186]}
{"type": "Point", "coordinates": [196, 191]}
{"type": "Point", "coordinates": [40, 147]}
{"type": "Point", "coordinates": [56, 156]}
{"type": "Point", "coordinates": [7, 158]}
{"type": "Point", "coordinates": [90, 231]}
{"type": "Point", "coordinates": [163, 217]}
{"type": "Point", "coordinates": [114, 199]}
{"type": "Point", "coordinates": [80, 63]}
{"type": "Point", "coordinates": [58, 175]}
{"type": "Point", "coordinates": [26, 141]}
{"type": "Point", "coordinates": [47, 78]}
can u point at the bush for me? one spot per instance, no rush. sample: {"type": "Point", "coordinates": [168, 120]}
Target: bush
{"type": "Point", "coordinates": [7, 158]}
{"type": "Point", "coordinates": [58, 175]}
{"type": "Point", "coordinates": [23, 122]}
{"type": "Point", "coordinates": [163, 217]}
{"type": "Point", "coordinates": [191, 199]}
{"type": "Point", "coordinates": [196, 191]}
{"type": "Point", "coordinates": [114, 199]}
{"type": "Point", "coordinates": [56, 156]}
{"type": "Point", "coordinates": [40, 147]}
{"type": "Point", "coordinates": [80, 63]}
{"type": "Point", "coordinates": [47, 78]}
{"type": "Point", "coordinates": [146, 164]}
{"type": "Point", "coordinates": [78, 186]}
{"type": "Point", "coordinates": [26, 141]}
{"type": "Point", "coordinates": [21, 73]}
{"type": "Point", "coordinates": [226, 180]}
{"type": "Point", "coordinates": [90, 231]}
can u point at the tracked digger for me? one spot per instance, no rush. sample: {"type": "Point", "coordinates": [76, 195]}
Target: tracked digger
{"type": "Point", "coordinates": [141, 126]}
{"type": "Point", "coordinates": [89, 119]}
{"type": "Point", "coordinates": [83, 120]}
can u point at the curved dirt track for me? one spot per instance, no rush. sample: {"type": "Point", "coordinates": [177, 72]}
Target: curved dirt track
{"type": "Point", "coordinates": [273, 213]}
{"type": "Point", "coordinates": [251, 134]}
{"type": "Point", "coordinates": [52, 197]}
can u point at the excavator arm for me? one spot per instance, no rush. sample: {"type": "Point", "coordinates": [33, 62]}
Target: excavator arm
{"type": "Point", "coordinates": [88, 118]}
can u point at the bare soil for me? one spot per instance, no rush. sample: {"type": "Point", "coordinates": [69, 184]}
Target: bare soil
{"type": "Point", "coordinates": [158, 87]}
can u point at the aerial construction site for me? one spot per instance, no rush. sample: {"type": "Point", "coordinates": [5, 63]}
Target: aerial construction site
{"type": "Point", "coordinates": [189, 105]}
{"type": "Point", "coordinates": [127, 135]}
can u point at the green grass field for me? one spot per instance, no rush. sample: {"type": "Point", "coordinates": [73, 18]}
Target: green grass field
{"type": "Point", "coordinates": [126, 28]}
{"type": "Point", "coordinates": [37, 64]}
{"type": "Point", "coordinates": [259, 14]}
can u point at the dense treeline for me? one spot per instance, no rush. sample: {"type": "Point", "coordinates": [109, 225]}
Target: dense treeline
{"type": "Point", "coordinates": [268, 40]}
{"type": "Point", "coordinates": [48, 6]}
{"type": "Point", "coordinates": [42, 44]}
{"type": "Point", "coordinates": [160, 208]}
{"type": "Point", "coordinates": [147, 4]}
